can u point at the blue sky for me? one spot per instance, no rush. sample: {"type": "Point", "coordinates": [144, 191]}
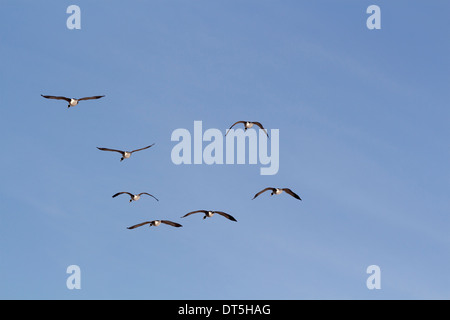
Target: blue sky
{"type": "Point", "coordinates": [363, 118]}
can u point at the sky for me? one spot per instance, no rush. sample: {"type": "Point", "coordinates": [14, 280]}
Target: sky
{"type": "Point", "coordinates": [363, 139]}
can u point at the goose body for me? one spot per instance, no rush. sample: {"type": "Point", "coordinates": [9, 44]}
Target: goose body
{"type": "Point", "coordinates": [208, 214]}
{"type": "Point", "coordinates": [155, 223]}
{"type": "Point", "coordinates": [126, 155]}
{"type": "Point", "coordinates": [248, 124]}
{"type": "Point", "coordinates": [278, 191]}
{"type": "Point", "coordinates": [73, 102]}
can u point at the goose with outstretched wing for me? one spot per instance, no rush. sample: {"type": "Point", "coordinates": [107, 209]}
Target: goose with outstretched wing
{"type": "Point", "coordinates": [134, 197]}
{"type": "Point", "coordinates": [278, 191]}
{"type": "Point", "coordinates": [248, 125]}
{"type": "Point", "coordinates": [209, 214]}
{"type": "Point", "coordinates": [125, 154]}
{"type": "Point", "coordinates": [155, 223]}
{"type": "Point", "coordinates": [72, 101]}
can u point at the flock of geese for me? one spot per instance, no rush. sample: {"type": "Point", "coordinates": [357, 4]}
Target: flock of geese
{"type": "Point", "coordinates": [135, 197]}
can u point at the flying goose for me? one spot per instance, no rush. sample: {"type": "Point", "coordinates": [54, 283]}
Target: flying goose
{"type": "Point", "coordinates": [125, 154]}
{"type": "Point", "coordinates": [134, 197]}
{"type": "Point", "coordinates": [156, 223]}
{"type": "Point", "coordinates": [72, 101]}
{"type": "Point", "coordinates": [248, 125]}
{"type": "Point", "coordinates": [209, 214]}
{"type": "Point", "coordinates": [278, 191]}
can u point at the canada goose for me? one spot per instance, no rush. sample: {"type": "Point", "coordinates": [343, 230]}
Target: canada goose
{"type": "Point", "coordinates": [134, 197]}
{"type": "Point", "coordinates": [248, 125]}
{"type": "Point", "coordinates": [125, 154]}
{"type": "Point", "coordinates": [278, 191]}
{"type": "Point", "coordinates": [156, 223]}
{"type": "Point", "coordinates": [209, 214]}
{"type": "Point", "coordinates": [72, 101]}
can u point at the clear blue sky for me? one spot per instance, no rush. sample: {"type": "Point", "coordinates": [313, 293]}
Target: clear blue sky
{"type": "Point", "coordinates": [364, 129]}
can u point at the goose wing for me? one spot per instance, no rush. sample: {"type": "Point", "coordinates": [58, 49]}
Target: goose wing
{"type": "Point", "coordinates": [139, 225]}
{"type": "Point", "coordinates": [142, 148]}
{"type": "Point", "coordinates": [148, 195]}
{"type": "Point", "coordinates": [57, 98]}
{"type": "Point", "coordinates": [107, 149]}
{"type": "Point", "coordinates": [260, 125]}
{"type": "Point", "coordinates": [234, 125]}
{"type": "Point", "coordinates": [171, 223]}
{"type": "Point", "coordinates": [292, 193]}
{"type": "Point", "coordinates": [226, 215]}
{"type": "Point", "coordinates": [262, 191]}
{"type": "Point", "coordinates": [119, 193]}
{"type": "Point", "coordinates": [90, 98]}
{"type": "Point", "coordinates": [188, 214]}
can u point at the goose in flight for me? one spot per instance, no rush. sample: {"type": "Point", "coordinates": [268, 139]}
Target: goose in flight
{"type": "Point", "coordinates": [278, 191]}
{"type": "Point", "coordinates": [156, 223]}
{"type": "Point", "coordinates": [72, 101]}
{"type": "Point", "coordinates": [248, 125]}
{"type": "Point", "coordinates": [209, 214]}
{"type": "Point", "coordinates": [125, 154]}
{"type": "Point", "coordinates": [134, 197]}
